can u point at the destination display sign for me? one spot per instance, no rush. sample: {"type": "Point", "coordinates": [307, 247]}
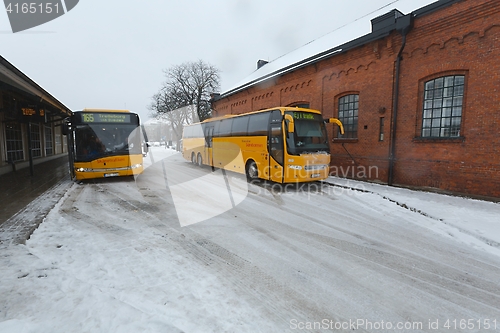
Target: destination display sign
{"type": "Point", "coordinates": [304, 115]}
{"type": "Point", "coordinates": [92, 117]}
{"type": "Point", "coordinates": [32, 113]}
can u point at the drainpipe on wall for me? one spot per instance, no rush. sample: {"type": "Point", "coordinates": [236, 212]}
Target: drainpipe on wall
{"type": "Point", "coordinates": [403, 25]}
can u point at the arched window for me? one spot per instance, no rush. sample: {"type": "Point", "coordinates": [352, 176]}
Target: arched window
{"type": "Point", "coordinates": [442, 109]}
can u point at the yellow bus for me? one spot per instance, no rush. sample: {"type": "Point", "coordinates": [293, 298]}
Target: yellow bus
{"type": "Point", "coordinates": [104, 143]}
{"type": "Point", "coordinates": [283, 144]}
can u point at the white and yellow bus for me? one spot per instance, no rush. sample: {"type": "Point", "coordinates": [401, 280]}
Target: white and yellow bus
{"type": "Point", "coordinates": [283, 144]}
{"type": "Point", "coordinates": [104, 143]}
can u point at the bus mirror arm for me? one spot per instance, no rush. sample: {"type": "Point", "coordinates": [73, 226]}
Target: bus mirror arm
{"type": "Point", "coordinates": [291, 123]}
{"type": "Point", "coordinates": [338, 122]}
{"type": "Point", "coordinates": [65, 127]}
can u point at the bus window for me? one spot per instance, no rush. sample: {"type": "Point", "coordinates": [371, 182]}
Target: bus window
{"type": "Point", "coordinates": [209, 132]}
{"type": "Point", "coordinates": [88, 143]}
{"type": "Point", "coordinates": [276, 143]}
{"type": "Point", "coordinates": [186, 132]}
{"type": "Point", "coordinates": [309, 135]}
{"type": "Point", "coordinates": [94, 147]}
{"type": "Point", "coordinates": [216, 128]}
{"type": "Point", "coordinates": [276, 136]}
{"type": "Point", "coordinates": [240, 126]}
{"type": "Point", "coordinates": [307, 132]}
{"type": "Point", "coordinates": [258, 124]}
{"type": "Point", "coordinates": [225, 127]}
{"type": "Point", "coordinates": [197, 131]}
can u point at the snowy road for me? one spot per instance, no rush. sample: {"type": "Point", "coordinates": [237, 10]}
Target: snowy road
{"type": "Point", "coordinates": [112, 256]}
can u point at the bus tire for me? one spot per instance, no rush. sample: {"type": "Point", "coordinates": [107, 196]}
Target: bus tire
{"type": "Point", "coordinates": [193, 158]}
{"type": "Point", "coordinates": [251, 171]}
{"type": "Point", "coordinates": [199, 160]}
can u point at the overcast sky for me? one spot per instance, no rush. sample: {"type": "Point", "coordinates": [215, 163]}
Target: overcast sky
{"type": "Point", "coordinates": [111, 54]}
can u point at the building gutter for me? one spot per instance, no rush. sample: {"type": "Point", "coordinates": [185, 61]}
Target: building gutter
{"type": "Point", "coordinates": [403, 26]}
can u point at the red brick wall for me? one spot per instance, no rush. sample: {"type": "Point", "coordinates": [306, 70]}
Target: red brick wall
{"type": "Point", "coordinates": [460, 39]}
{"type": "Point", "coordinates": [463, 39]}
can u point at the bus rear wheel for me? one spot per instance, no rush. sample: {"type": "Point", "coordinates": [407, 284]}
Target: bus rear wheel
{"type": "Point", "coordinates": [193, 158]}
{"type": "Point", "coordinates": [251, 171]}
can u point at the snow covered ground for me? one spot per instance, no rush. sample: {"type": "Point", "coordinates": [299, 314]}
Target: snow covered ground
{"type": "Point", "coordinates": [115, 256]}
{"type": "Point", "coordinates": [473, 222]}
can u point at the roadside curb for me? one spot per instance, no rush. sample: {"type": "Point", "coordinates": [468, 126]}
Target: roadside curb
{"type": "Point", "coordinates": [18, 228]}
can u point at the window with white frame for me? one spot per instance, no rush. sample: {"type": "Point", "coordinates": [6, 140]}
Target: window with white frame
{"type": "Point", "coordinates": [49, 149]}
{"type": "Point", "coordinates": [14, 140]}
{"type": "Point", "coordinates": [36, 142]}
{"type": "Point", "coordinates": [57, 136]}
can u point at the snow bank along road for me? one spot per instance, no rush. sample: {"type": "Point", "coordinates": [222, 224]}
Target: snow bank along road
{"type": "Point", "coordinates": [112, 257]}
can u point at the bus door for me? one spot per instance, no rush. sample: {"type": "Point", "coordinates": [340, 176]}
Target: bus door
{"type": "Point", "coordinates": [209, 134]}
{"type": "Point", "coordinates": [275, 146]}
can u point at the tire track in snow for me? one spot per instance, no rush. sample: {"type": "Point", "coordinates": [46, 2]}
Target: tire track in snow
{"type": "Point", "coordinates": [483, 239]}
{"type": "Point", "coordinates": [437, 278]}
{"type": "Point", "coordinates": [279, 299]}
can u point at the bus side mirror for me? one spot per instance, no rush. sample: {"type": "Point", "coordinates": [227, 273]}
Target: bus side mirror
{"type": "Point", "coordinates": [338, 122]}
{"type": "Point", "coordinates": [65, 128]}
{"type": "Point", "coordinates": [291, 123]}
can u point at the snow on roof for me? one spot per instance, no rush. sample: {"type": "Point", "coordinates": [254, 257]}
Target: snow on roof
{"type": "Point", "coordinates": [321, 47]}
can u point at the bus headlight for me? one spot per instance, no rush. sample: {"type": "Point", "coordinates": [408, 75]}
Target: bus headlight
{"type": "Point", "coordinates": [295, 167]}
{"type": "Point", "coordinates": [83, 170]}
{"type": "Point", "coordinates": [135, 166]}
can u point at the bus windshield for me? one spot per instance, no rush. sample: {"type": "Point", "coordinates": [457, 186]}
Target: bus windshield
{"type": "Point", "coordinates": [309, 135]}
{"type": "Point", "coordinates": [98, 140]}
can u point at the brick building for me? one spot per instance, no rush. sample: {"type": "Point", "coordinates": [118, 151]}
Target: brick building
{"type": "Point", "coordinates": [419, 97]}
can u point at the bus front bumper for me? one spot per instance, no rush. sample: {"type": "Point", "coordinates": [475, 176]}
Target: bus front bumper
{"type": "Point", "coordinates": [89, 173]}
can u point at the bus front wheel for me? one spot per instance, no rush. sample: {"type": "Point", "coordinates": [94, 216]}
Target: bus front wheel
{"type": "Point", "coordinates": [252, 171]}
{"type": "Point", "coordinates": [200, 160]}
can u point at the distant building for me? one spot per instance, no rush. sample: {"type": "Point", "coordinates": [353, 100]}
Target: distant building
{"type": "Point", "coordinates": [158, 130]}
{"type": "Point", "coordinates": [419, 96]}
{"type": "Point", "coordinates": [30, 121]}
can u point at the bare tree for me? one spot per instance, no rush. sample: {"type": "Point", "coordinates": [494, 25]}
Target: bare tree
{"type": "Point", "coordinates": [184, 96]}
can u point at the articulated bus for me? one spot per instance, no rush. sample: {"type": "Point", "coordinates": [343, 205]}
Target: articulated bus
{"type": "Point", "coordinates": [104, 143]}
{"type": "Point", "coordinates": [283, 144]}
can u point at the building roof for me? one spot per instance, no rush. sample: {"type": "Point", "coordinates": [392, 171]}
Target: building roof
{"type": "Point", "coordinates": [12, 76]}
{"type": "Point", "coordinates": [342, 39]}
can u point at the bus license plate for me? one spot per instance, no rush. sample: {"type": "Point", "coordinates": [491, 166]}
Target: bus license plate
{"type": "Point", "coordinates": [315, 175]}
{"type": "Point", "coordinates": [114, 174]}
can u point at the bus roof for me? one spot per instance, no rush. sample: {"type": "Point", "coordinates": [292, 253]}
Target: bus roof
{"type": "Point", "coordinates": [102, 110]}
{"type": "Point", "coordinates": [219, 118]}
{"type": "Point", "coordinates": [282, 108]}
